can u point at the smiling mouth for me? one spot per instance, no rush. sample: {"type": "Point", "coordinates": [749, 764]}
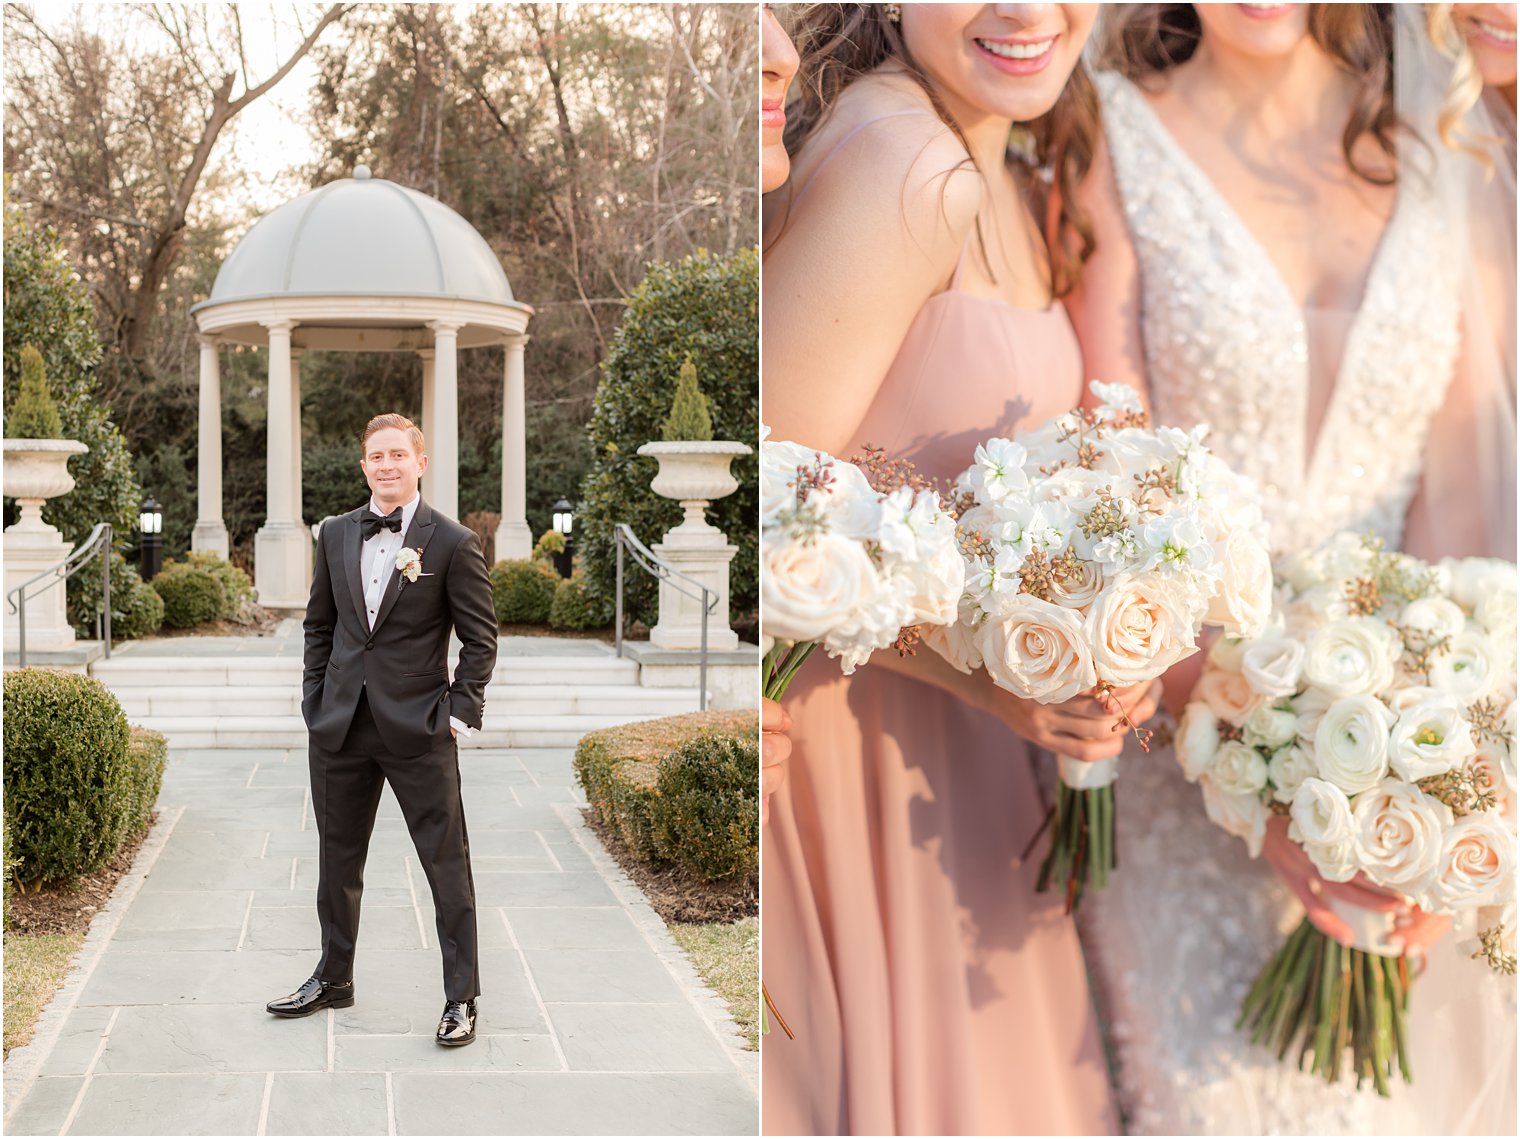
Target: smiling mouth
{"type": "Point", "coordinates": [1015, 50]}
{"type": "Point", "coordinates": [1502, 36]}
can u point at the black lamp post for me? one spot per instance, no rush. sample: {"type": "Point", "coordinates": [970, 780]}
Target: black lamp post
{"type": "Point", "coordinates": [563, 519]}
{"type": "Point", "coordinates": [151, 523]}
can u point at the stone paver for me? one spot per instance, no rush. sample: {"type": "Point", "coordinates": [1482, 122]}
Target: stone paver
{"type": "Point", "coordinates": [591, 1020]}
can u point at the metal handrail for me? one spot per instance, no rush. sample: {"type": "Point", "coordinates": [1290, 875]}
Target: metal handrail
{"type": "Point", "coordinates": [16, 599]}
{"type": "Point", "coordinates": [647, 560]}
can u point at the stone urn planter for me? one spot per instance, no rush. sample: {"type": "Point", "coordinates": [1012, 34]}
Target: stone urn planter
{"type": "Point", "coordinates": [35, 471]}
{"type": "Point", "coordinates": [694, 474]}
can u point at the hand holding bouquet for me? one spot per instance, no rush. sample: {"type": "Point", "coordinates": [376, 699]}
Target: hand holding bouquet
{"type": "Point", "coordinates": [1096, 548]}
{"type": "Point", "coordinates": [1378, 716]}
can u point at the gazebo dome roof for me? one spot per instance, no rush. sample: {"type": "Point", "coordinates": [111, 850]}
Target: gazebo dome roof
{"type": "Point", "coordinates": [362, 237]}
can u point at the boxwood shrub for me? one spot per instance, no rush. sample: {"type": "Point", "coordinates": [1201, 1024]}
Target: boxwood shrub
{"type": "Point", "coordinates": [576, 608]}
{"type": "Point", "coordinates": [192, 595]}
{"type": "Point", "coordinates": [522, 592]}
{"type": "Point", "coordinates": [705, 813]}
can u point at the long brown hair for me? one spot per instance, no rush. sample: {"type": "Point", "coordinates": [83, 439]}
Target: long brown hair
{"type": "Point", "coordinates": [839, 43]}
{"type": "Point", "coordinates": [1143, 40]}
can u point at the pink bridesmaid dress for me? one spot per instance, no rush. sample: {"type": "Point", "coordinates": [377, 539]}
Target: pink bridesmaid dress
{"type": "Point", "coordinates": [931, 990]}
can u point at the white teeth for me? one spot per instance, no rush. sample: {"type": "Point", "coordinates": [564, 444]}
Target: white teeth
{"type": "Point", "coordinates": [1017, 51]}
{"type": "Point", "coordinates": [1263, 7]}
{"type": "Point", "coordinates": [1503, 35]}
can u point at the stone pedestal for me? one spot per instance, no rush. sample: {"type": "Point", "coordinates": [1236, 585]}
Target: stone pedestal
{"type": "Point", "coordinates": [699, 551]}
{"type": "Point", "coordinates": [35, 471]}
{"type": "Point", "coordinates": [281, 552]}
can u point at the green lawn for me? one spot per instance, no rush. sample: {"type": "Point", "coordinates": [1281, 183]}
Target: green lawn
{"type": "Point", "coordinates": [728, 957]}
{"type": "Point", "coordinates": [34, 968]}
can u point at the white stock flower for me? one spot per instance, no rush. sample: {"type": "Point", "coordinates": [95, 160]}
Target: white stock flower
{"type": "Point", "coordinates": [1228, 694]}
{"type": "Point", "coordinates": [1430, 738]}
{"type": "Point", "coordinates": [1351, 743]}
{"type": "Point", "coordinates": [871, 626]}
{"type": "Point", "coordinates": [1477, 865]}
{"type": "Point", "coordinates": [779, 461]}
{"type": "Point", "coordinates": [1273, 666]}
{"type": "Point", "coordinates": [1116, 397]}
{"type": "Point", "coordinates": [1037, 650]}
{"type": "Point", "coordinates": [997, 470]}
{"type": "Point", "coordinates": [1138, 628]}
{"type": "Point", "coordinates": [1323, 825]}
{"type": "Point", "coordinates": [809, 588]}
{"type": "Point", "coordinates": [1399, 835]}
{"type": "Point", "coordinates": [1287, 769]}
{"type": "Point", "coordinates": [1244, 816]}
{"type": "Point", "coordinates": [1197, 740]}
{"type": "Point", "coordinates": [1351, 657]}
{"type": "Point", "coordinates": [1270, 727]}
{"type": "Point", "coordinates": [1470, 668]}
{"type": "Point", "coordinates": [1238, 769]}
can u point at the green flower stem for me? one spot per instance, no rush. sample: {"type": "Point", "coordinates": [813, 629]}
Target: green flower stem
{"type": "Point", "coordinates": [1082, 849]}
{"type": "Point", "coordinates": [782, 663]}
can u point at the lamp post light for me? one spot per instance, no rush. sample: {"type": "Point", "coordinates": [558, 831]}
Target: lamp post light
{"type": "Point", "coordinates": [151, 524]}
{"type": "Point", "coordinates": [563, 519]}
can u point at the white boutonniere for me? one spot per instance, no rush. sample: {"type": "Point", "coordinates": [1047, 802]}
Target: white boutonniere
{"type": "Point", "coordinates": [409, 563]}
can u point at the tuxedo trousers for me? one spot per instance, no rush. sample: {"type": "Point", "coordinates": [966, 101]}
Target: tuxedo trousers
{"type": "Point", "coordinates": [345, 794]}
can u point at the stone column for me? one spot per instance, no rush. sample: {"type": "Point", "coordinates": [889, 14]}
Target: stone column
{"type": "Point", "coordinates": [513, 538]}
{"type": "Point", "coordinates": [282, 547]}
{"type": "Point", "coordinates": [297, 459]}
{"type": "Point", "coordinates": [442, 479]}
{"type": "Point", "coordinates": [429, 416]}
{"type": "Point", "coordinates": [210, 533]}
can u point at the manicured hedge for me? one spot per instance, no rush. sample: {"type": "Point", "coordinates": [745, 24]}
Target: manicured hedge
{"type": "Point", "coordinates": [192, 595]}
{"type": "Point", "coordinates": [626, 771]}
{"type": "Point", "coordinates": [522, 592]}
{"type": "Point", "coordinates": [575, 608]}
{"type": "Point", "coordinates": [136, 608]}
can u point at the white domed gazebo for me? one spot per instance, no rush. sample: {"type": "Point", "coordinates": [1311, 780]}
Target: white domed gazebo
{"type": "Point", "coordinates": [359, 265]}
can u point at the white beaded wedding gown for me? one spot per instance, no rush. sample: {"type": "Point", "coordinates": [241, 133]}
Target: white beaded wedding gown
{"type": "Point", "coordinates": [1190, 918]}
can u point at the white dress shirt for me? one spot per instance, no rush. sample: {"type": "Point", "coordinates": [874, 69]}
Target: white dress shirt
{"type": "Point", "coordinates": [377, 561]}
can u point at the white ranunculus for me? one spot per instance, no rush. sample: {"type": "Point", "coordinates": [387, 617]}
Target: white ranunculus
{"type": "Point", "coordinates": [1477, 865]}
{"type": "Point", "coordinates": [1473, 579]}
{"type": "Point", "coordinates": [1244, 816]}
{"type": "Point", "coordinates": [1287, 769]}
{"type": "Point", "coordinates": [1434, 616]}
{"type": "Point", "coordinates": [1270, 727]}
{"type": "Point", "coordinates": [809, 588]}
{"type": "Point", "coordinates": [1322, 824]}
{"type": "Point", "coordinates": [1243, 602]}
{"type": "Point", "coordinates": [1429, 739]}
{"type": "Point", "coordinates": [1138, 628]}
{"type": "Point", "coordinates": [1470, 669]}
{"type": "Point", "coordinates": [1315, 608]}
{"type": "Point", "coordinates": [1037, 650]}
{"type": "Point", "coordinates": [1273, 666]}
{"type": "Point", "coordinates": [1351, 743]}
{"type": "Point", "coordinates": [1403, 699]}
{"type": "Point", "coordinates": [1351, 657]}
{"type": "Point", "coordinates": [1399, 835]}
{"type": "Point", "coordinates": [1228, 694]}
{"type": "Point", "coordinates": [1310, 705]}
{"type": "Point", "coordinates": [1238, 769]}
{"type": "Point", "coordinates": [1495, 612]}
{"type": "Point", "coordinates": [1197, 740]}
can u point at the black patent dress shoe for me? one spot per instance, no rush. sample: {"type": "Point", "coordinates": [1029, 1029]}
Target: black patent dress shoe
{"type": "Point", "coordinates": [315, 995]}
{"type": "Point", "coordinates": [456, 1027]}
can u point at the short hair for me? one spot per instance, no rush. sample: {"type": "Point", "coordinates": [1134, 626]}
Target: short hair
{"type": "Point", "coordinates": [399, 422]}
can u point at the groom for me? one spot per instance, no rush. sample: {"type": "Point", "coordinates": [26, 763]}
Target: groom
{"type": "Point", "coordinates": [392, 579]}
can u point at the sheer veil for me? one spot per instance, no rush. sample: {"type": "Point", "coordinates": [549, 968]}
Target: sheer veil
{"type": "Point", "coordinates": [1467, 500]}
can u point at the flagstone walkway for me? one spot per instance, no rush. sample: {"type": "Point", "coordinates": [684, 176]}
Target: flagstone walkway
{"type": "Point", "coordinates": [592, 1021]}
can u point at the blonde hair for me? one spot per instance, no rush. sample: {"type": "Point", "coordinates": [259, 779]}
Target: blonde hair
{"type": "Point", "coordinates": [1463, 89]}
{"type": "Point", "coordinates": [399, 422]}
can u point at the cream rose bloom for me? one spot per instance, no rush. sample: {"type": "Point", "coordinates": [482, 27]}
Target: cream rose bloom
{"type": "Point", "coordinates": [1243, 602]}
{"type": "Point", "coordinates": [1351, 743]}
{"type": "Point", "coordinates": [1081, 591]}
{"type": "Point", "coordinates": [1310, 706]}
{"type": "Point", "coordinates": [1273, 666]}
{"type": "Point", "coordinates": [1197, 740]}
{"type": "Point", "coordinates": [1228, 694]}
{"type": "Point", "coordinates": [1238, 770]}
{"type": "Point", "coordinates": [1430, 738]}
{"type": "Point", "coordinates": [1288, 768]}
{"type": "Point", "coordinates": [1037, 650]}
{"type": "Point", "coordinates": [1400, 831]}
{"type": "Point", "coordinates": [1322, 824]}
{"type": "Point", "coordinates": [1270, 728]}
{"type": "Point", "coordinates": [1477, 866]}
{"type": "Point", "coordinates": [955, 642]}
{"type": "Point", "coordinates": [809, 588]}
{"type": "Point", "coordinates": [1138, 628]}
{"type": "Point", "coordinates": [1351, 657]}
{"type": "Point", "coordinates": [1244, 816]}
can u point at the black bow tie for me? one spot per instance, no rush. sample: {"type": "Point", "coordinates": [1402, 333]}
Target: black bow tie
{"type": "Point", "coordinates": [371, 524]}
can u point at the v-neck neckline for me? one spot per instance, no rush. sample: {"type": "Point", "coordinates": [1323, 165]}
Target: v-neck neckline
{"type": "Point", "coordinates": [1245, 238]}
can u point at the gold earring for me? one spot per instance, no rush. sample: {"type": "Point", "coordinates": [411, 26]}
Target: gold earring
{"type": "Point", "coordinates": [893, 13]}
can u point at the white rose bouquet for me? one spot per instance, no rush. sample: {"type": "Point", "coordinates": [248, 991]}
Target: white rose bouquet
{"type": "Point", "coordinates": [1378, 715]}
{"type": "Point", "coordinates": [1096, 548]}
{"type": "Point", "coordinates": [853, 556]}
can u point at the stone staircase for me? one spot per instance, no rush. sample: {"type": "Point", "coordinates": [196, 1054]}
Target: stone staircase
{"type": "Point", "coordinates": [536, 699]}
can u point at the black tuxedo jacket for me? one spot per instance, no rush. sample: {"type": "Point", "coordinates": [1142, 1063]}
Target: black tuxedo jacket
{"type": "Point", "coordinates": [403, 661]}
